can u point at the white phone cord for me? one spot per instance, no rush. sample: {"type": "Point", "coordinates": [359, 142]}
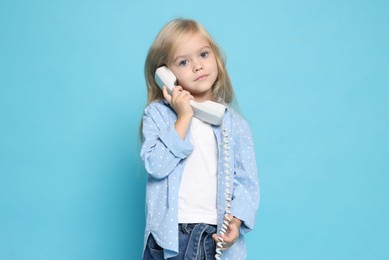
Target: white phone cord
{"type": "Point", "coordinates": [227, 192]}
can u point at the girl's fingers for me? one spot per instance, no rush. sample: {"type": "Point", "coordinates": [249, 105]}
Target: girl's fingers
{"type": "Point", "coordinates": [179, 93]}
{"type": "Point", "coordinates": [176, 90]}
{"type": "Point", "coordinates": [226, 244]}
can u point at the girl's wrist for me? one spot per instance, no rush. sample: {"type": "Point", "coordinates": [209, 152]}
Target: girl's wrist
{"type": "Point", "coordinates": [182, 125]}
{"type": "Point", "coordinates": [185, 118]}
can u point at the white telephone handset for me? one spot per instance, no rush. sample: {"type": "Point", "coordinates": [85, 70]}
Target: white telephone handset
{"type": "Point", "coordinates": [208, 111]}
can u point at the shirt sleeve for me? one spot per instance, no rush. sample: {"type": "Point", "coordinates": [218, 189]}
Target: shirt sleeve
{"type": "Point", "coordinates": [245, 199]}
{"type": "Point", "coordinates": [162, 147]}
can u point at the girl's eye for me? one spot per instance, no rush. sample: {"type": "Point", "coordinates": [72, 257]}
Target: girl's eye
{"type": "Point", "coordinates": [182, 62]}
{"type": "Point", "coordinates": [204, 54]}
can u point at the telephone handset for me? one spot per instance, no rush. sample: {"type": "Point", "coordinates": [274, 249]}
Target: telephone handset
{"type": "Point", "coordinates": [208, 111]}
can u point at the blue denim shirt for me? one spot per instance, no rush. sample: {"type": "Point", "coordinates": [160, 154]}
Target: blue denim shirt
{"type": "Point", "coordinates": [164, 154]}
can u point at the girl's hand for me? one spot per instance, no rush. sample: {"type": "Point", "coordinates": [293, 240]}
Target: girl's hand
{"type": "Point", "coordinates": [179, 100]}
{"type": "Point", "coordinates": [232, 233]}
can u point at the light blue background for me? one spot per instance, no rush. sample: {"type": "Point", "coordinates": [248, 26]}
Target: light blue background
{"type": "Point", "coordinates": [311, 78]}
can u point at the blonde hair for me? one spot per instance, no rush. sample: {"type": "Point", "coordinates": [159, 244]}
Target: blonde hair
{"type": "Point", "coordinates": [162, 50]}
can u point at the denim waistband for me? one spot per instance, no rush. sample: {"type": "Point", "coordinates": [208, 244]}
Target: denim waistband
{"type": "Point", "coordinates": [200, 237]}
{"type": "Point", "coordinates": [187, 228]}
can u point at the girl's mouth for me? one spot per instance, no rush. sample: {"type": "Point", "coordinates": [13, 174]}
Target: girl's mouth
{"type": "Point", "coordinates": [201, 77]}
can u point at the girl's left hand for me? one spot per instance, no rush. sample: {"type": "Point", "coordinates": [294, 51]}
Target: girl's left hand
{"type": "Point", "coordinates": [232, 233]}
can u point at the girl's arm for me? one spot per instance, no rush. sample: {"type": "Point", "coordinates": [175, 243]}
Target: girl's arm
{"type": "Point", "coordinates": [162, 146]}
{"type": "Point", "coordinates": [179, 100]}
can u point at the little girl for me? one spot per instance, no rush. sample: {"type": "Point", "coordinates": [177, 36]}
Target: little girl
{"type": "Point", "coordinates": [185, 197]}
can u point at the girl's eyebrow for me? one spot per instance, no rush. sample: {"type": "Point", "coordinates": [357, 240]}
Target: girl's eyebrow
{"type": "Point", "coordinates": [205, 47]}
{"type": "Point", "coordinates": [179, 57]}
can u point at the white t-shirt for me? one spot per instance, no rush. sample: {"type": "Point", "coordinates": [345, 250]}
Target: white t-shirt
{"type": "Point", "coordinates": [198, 188]}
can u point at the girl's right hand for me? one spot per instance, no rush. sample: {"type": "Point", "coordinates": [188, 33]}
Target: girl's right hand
{"type": "Point", "coordinates": [179, 100]}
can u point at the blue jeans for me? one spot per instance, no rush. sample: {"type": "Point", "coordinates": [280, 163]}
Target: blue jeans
{"type": "Point", "coordinates": [195, 243]}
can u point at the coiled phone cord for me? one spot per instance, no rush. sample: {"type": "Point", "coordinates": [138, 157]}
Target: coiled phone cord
{"type": "Point", "coordinates": [227, 192]}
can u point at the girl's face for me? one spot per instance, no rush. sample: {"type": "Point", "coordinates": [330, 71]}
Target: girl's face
{"type": "Point", "coordinates": [195, 67]}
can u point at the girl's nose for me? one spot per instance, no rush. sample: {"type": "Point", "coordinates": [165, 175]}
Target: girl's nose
{"type": "Point", "coordinates": [198, 66]}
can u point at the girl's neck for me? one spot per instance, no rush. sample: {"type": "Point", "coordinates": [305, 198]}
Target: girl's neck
{"type": "Point", "coordinates": [203, 98]}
